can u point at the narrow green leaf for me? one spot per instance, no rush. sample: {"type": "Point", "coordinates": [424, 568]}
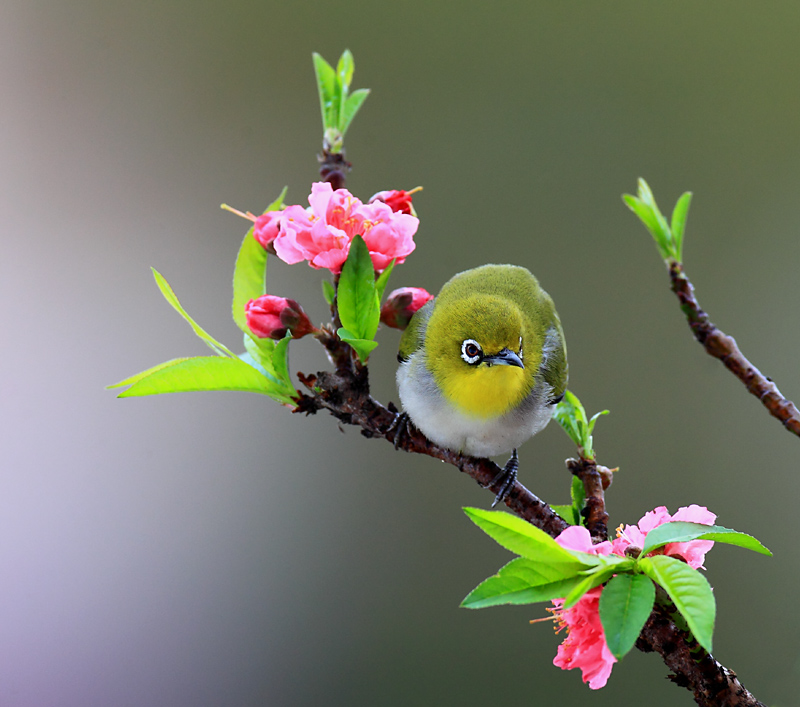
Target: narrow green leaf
{"type": "Point", "coordinates": [280, 360]}
{"type": "Point", "coordinates": [249, 277]}
{"type": "Point", "coordinates": [577, 492]}
{"type": "Point", "coordinates": [328, 292]}
{"type": "Point", "coordinates": [143, 374]}
{"type": "Point", "coordinates": [521, 581]}
{"type": "Point", "coordinates": [383, 279]}
{"type": "Point", "coordinates": [363, 347]}
{"type": "Point", "coordinates": [328, 92]}
{"type": "Point", "coordinates": [345, 68]}
{"type": "Point", "coordinates": [566, 512]}
{"type": "Point", "coordinates": [351, 106]}
{"type": "Point", "coordinates": [682, 531]}
{"type": "Point", "coordinates": [594, 418]}
{"type": "Point", "coordinates": [678, 225]}
{"type": "Point", "coordinates": [596, 577]}
{"type": "Point", "coordinates": [359, 308]}
{"type": "Point", "coordinates": [269, 357]}
{"type": "Point", "coordinates": [526, 540]}
{"type": "Point", "coordinates": [690, 592]}
{"type": "Point", "coordinates": [625, 605]}
{"type": "Point", "coordinates": [202, 373]}
{"type": "Point", "coordinates": [169, 295]}
{"type": "Point", "coordinates": [344, 75]}
{"type": "Point", "coordinates": [651, 222]}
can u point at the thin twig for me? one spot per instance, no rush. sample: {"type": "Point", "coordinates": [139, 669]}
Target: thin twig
{"type": "Point", "coordinates": [721, 346]}
{"type": "Point", "coordinates": [595, 509]}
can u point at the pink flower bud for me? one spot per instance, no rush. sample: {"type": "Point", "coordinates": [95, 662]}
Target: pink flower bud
{"type": "Point", "coordinates": [396, 199]}
{"type": "Point", "coordinates": [270, 317]}
{"type": "Point", "coordinates": [266, 229]}
{"type": "Point", "coordinates": [401, 304]}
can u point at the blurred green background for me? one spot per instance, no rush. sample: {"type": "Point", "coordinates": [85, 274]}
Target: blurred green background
{"type": "Point", "coordinates": [213, 549]}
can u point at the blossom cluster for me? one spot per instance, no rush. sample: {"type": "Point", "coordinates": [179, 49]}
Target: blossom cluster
{"type": "Point", "coordinates": [321, 233]}
{"type": "Point", "coordinates": [585, 645]}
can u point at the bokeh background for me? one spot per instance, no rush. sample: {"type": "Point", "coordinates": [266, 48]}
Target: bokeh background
{"type": "Point", "coordinates": [213, 549]}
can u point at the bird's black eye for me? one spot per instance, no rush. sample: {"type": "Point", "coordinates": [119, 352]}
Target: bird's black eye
{"type": "Point", "coordinates": [471, 351]}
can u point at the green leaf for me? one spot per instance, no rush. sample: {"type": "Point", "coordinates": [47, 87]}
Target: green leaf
{"type": "Point", "coordinates": [344, 75]}
{"type": "Point", "coordinates": [650, 221]}
{"type": "Point", "coordinates": [383, 279]}
{"type": "Point", "coordinates": [249, 277]}
{"type": "Point", "coordinates": [270, 357]}
{"type": "Point", "coordinates": [359, 308]}
{"type": "Point", "coordinates": [280, 360]}
{"type": "Point", "coordinates": [351, 106]}
{"type": "Point", "coordinates": [594, 578]}
{"type": "Point", "coordinates": [328, 292]}
{"type": "Point", "coordinates": [678, 225]}
{"type": "Point", "coordinates": [625, 605]}
{"type": "Point", "coordinates": [169, 295]}
{"type": "Point", "coordinates": [201, 373]}
{"type": "Point", "coordinates": [328, 91]}
{"type": "Point", "coordinates": [345, 69]}
{"type": "Point", "coordinates": [521, 581]}
{"type": "Point", "coordinates": [143, 374]}
{"type": "Point", "coordinates": [571, 415]}
{"type": "Point", "coordinates": [567, 512]}
{"type": "Point", "coordinates": [363, 347]}
{"type": "Point", "coordinates": [690, 592]}
{"type": "Point", "coordinates": [526, 540]}
{"type": "Point", "coordinates": [682, 531]}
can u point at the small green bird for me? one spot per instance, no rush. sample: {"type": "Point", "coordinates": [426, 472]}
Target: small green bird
{"type": "Point", "coordinates": [483, 365]}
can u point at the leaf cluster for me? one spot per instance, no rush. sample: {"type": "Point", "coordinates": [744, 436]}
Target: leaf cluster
{"type": "Point", "coordinates": [337, 104]}
{"type": "Point", "coordinates": [668, 236]}
{"type": "Point", "coordinates": [571, 415]}
{"type": "Point", "coordinates": [546, 571]}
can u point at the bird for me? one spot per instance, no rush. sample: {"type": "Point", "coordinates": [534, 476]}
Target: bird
{"type": "Point", "coordinates": [483, 365]}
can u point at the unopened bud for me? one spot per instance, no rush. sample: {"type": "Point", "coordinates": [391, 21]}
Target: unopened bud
{"type": "Point", "coordinates": [396, 199]}
{"type": "Point", "coordinates": [270, 317]}
{"type": "Point", "coordinates": [401, 305]}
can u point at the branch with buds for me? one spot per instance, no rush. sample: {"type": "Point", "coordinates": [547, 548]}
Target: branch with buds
{"type": "Point", "coordinates": [639, 588]}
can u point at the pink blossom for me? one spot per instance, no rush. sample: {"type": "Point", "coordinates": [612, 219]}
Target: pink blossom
{"type": "Point", "coordinates": [270, 317]}
{"type": "Point", "coordinates": [693, 552]}
{"type": "Point", "coordinates": [401, 304]}
{"type": "Point", "coordinates": [322, 233]}
{"type": "Point", "coordinates": [585, 645]}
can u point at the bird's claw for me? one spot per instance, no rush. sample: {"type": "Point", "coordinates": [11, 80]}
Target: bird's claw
{"type": "Point", "coordinates": [400, 428]}
{"type": "Point", "coordinates": [507, 478]}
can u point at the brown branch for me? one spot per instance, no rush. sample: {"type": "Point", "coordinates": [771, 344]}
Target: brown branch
{"type": "Point", "coordinates": [345, 394]}
{"type": "Point", "coordinates": [712, 684]}
{"type": "Point", "coordinates": [594, 484]}
{"type": "Point", "coordinates": [721, 346]}
{"type": "Point", "coordinates": [333, 167]}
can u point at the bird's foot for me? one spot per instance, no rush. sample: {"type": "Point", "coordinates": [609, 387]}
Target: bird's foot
{"type": "Point", "coordinates": [507, 478]}
{"type": "Point", "coordinates": [400, 427]}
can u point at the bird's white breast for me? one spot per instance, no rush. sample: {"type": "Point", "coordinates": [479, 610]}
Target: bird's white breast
{"type": "Point", "coordinates": [448, 427]}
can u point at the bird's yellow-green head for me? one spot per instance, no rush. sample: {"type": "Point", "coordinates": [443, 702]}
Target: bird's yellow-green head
{"type": "Point", "coordinates": [476, 353]}
{"type": "Point", "coordinates": [484, 337]}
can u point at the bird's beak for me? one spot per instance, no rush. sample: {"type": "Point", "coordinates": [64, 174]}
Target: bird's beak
{"type": "Point", "coordinates": [506, 357]}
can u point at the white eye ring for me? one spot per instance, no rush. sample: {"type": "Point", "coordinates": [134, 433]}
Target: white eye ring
{"type": "Point", "coordinates": [520, 348]}
{"type": "Point", "coordinates": [471, 351]}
